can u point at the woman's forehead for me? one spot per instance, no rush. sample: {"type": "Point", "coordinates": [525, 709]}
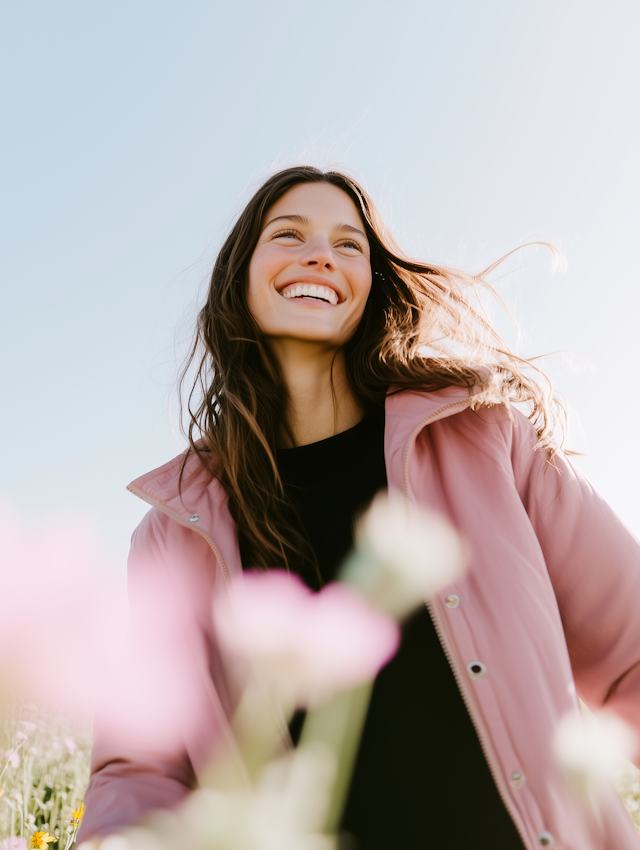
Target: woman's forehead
{"type": "Point", "coordinates": [317, 203]}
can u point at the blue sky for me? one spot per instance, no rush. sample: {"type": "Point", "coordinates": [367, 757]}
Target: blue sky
{"type": "Point", "coordinates": [134, 131]}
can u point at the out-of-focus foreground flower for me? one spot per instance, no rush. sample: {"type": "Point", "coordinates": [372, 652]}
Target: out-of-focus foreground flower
{"type": "Point", "coordinates": [307, 646]}
{"type": "Point", "coordinates": [292, 647]}
{"type": "Point", "coordinates": [404, 555]}
{"type": "Point", "coordinates": [55, 567]}
{"type": "Point", "coordinates": [283, 812]}
{"type": "Point", "coordinates": [324, 649]}
{"type": "Point", "coordinates": [590, 748]}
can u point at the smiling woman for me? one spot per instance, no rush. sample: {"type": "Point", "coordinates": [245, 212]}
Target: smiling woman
{"type": "Point", "coordinates": [324, 366]}
{"type": "Point", "coordinates": [331, 366]}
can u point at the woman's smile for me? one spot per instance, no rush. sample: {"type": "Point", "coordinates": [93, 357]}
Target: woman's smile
{"type": "Point", "coordinates": [311, 288]}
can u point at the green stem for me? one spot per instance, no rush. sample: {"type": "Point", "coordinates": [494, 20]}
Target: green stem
{"type": "Point", "coordinates": [338, 724]}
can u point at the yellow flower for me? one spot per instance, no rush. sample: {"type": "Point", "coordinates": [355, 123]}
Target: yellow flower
{"type": "Point", "coordinates": [40, 840]}
{"type": "Point", "coordinates": [76, 816]}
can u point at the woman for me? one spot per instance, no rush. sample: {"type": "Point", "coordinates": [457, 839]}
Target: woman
{"type": "Point", "coordinates": [331, 368]}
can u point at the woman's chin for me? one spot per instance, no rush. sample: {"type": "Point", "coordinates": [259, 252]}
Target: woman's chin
{"type": "Point", "coordinates": [312, 333]}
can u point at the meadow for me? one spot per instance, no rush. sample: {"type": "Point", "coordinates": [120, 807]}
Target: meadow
{"type": "Point", "coordinates": [45, 770]}
{"type": "Point", "coordinates": [43, 777]}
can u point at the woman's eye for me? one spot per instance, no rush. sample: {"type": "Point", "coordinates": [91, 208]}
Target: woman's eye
{"type": "Point", "coordinates": [350, 243]}
{"type": "Point", "coordinates": [294, 234]}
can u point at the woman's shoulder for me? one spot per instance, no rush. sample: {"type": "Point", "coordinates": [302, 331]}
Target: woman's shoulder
{"type": "Point", "coordinates": [185, 497]}
{"type": "Point", "coordinates": [184, 471]}
{"type": "Point", "coordinates": [178, 485]}
{"type": "Point", "coordinates": [465, 421]}
{"type": "Point", "coordinates": [409, 407]}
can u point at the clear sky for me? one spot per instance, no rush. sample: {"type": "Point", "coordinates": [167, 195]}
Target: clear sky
{"type": "Point", "coordinates": [133, 132]}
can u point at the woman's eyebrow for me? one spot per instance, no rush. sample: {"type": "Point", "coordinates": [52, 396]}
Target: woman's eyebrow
{"type": "Point", "coordinates": [351, 229]}
{"type": "Point", "coordinates": [302, 219]}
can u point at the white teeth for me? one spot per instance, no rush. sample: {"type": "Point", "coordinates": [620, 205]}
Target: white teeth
{"type": "Point", "coordinates": [312, 291]}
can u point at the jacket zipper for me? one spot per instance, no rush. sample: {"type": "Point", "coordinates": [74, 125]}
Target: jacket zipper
{"type": "Point", "coordinates": [190, 526]}
{"type": "Point", "coordinates": [483, 738]}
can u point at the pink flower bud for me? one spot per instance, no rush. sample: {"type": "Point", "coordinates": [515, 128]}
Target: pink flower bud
{"type": "Point", "coordinates": [306, 645]}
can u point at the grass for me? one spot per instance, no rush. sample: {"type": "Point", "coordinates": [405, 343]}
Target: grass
{"type": "Point", "coordinates": [44, 779]}
{"type": "Point", "coordinates": [45, 771]}
{"type": "Point", "coordinates": [627, 782]}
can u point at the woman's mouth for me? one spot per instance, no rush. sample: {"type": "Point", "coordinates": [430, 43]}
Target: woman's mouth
{"type": "Point", "coordinates": [310, 290]}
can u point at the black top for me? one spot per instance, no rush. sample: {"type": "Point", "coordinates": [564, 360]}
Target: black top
{"type": "Point", "coordinates": [420, 779]}
{"type": "Point", "coordinates": [330, 483]}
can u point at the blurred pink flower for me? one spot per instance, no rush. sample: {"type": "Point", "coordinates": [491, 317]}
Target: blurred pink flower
{"type": "Point", "coordinates": [30, 727]}
{"type": "Point", "coordinates": [21, 736]}
{"type": "Point", "coordinates": [70, 745]}
{"type": "Point", "coordinates": [13, 758]}
{"type": "Point", "coordinates": [13, 843]}
{"type": "Point", "coordinates": [152, 690]}
{"type": "Point", "coordinates": [306, 645]}
{"type": "Point", "coordinates": [59, 560]}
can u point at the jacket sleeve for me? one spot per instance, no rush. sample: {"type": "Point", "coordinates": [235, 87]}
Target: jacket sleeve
{"type": "Point", "coordinates": [594, 564]}
{"type": "Point", "coordinates": [159, 688]}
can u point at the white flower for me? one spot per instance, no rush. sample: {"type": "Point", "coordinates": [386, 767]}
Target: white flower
{"type": "Point", "coordinates": [282, 813]}
{"type": "Point", "coordinates": [590, 748]}
{"type": "Point", "coordinates": [405, 554]}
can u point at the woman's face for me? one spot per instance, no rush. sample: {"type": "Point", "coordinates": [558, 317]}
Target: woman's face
{"type": "Point", "coordinates": [310, 273]}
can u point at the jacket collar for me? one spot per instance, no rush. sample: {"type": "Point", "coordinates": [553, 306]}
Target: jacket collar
{"type": "Point", "coordinates": [406, 412]}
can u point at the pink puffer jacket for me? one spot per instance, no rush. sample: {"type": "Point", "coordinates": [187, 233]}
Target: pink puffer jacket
{"type": "Point", "coordinates": [549, 610]}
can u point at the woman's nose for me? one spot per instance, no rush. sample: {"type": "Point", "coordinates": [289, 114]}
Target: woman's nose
{"type": "Point", "coordinates": [318, 253]}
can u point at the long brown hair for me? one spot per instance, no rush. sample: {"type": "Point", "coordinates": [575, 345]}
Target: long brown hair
{"type": "Point", "coordinates": [420, 328]}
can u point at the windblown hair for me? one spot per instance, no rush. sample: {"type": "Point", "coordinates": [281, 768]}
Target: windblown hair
{"type": "Point", "coordinates": [420, 329]}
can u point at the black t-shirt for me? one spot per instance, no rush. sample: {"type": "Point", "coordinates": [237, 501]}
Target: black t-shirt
{"type": "Point", "coordinates": [420, 779]}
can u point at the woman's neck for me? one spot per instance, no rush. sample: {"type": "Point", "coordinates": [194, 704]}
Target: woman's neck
{"type": "Point", "coordinates": [321, 402]}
